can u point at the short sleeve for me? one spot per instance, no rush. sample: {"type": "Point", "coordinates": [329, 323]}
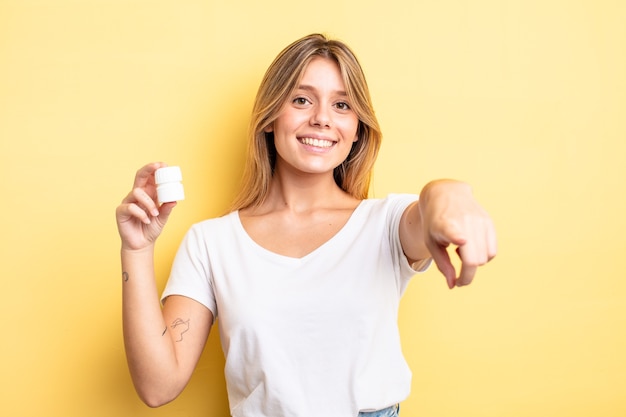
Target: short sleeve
{"type": "Point", "coordinates": [191, 271]}
{"type": "Point", "coordinates": [397, 204]}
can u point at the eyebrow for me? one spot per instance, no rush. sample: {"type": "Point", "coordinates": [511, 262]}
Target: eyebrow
{"type": "Point", "coordinates": [307, 87]}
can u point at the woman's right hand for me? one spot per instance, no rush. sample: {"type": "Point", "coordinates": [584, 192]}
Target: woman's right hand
{"type": "Point", "coordinates": [139, 218]}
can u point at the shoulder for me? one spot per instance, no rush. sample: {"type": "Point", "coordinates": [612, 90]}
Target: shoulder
{"type": "Point", "coordinates": [383, 212]}
{"type": "Point", "coordinates": [215, 221]}
{"type": "Point", "coordinates": [210, 227]}
{"type": "Point", "coordinates": [390, 203]}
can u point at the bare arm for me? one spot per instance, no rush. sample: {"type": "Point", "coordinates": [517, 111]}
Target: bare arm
{"type": "Point", "coordinates": [447, 214]}
{"type": "Point", "coordinates": [162, 345]}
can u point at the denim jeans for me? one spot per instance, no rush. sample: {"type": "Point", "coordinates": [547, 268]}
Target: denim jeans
{"type": "Point", "coordinates": [393, 411]}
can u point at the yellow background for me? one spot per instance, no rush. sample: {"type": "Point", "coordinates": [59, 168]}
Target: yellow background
{"type": "Point", "coordinates": [526, 100]}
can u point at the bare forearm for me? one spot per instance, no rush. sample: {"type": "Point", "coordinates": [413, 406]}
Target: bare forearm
{"type": "Point", "coordinates": [412, 234]}
{"type": "Point", "coordinates": [149, 348]}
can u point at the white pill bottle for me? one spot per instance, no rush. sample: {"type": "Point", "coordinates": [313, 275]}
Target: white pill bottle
{"type": "Point", "coordinates": [169, 186]}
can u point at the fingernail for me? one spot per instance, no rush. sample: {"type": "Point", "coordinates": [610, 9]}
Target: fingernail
{"type": "Point", "coordinates": [155, 212]}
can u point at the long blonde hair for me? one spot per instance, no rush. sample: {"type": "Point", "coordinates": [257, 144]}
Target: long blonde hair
{"type": "Point", "coordinates": [282, 77]}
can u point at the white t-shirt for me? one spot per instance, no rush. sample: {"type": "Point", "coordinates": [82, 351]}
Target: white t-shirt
{"type": "Point", "coordinates": [310, 336]}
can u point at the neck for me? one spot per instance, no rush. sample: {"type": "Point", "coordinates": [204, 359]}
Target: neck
{"type": "Point", "coordinates": [304, 192]}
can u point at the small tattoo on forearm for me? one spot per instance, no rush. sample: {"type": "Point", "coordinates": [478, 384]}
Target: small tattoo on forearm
{"type": "Point", "coordinates": [181, 326]}
{"type": "Point", "coordinates": [125, 276]}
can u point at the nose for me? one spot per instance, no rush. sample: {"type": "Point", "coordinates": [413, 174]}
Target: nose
{"type": "Point", "coordinates": [320, 116]}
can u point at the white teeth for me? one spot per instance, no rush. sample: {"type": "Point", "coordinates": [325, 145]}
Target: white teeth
{"type": "Point", "coordinates": [319, 143]}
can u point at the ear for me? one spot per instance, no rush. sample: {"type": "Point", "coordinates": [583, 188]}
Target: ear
{"type": "Point", "coordinates": [269, 128]}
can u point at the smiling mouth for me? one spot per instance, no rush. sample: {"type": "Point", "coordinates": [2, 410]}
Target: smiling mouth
{"type": "Point", "coordinates": [318, 143]}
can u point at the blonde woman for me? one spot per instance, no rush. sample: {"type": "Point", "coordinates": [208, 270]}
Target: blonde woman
{"type": "Point", "coordinates": [306, 272]}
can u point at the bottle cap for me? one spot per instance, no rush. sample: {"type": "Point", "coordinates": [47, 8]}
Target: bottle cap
{"type": "Point", "coordinates": [168, 174]}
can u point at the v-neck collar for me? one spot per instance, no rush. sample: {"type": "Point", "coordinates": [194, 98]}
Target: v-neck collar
{"type": "Point", "coordinates": [277, 257]}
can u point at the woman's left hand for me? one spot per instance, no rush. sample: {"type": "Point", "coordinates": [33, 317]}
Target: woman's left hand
{"type": "Point", "coordinates": [451, 216]}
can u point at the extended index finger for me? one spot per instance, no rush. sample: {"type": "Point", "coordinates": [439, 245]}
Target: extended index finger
{"type": "Point", "coordinates": [146, 173]}
{"type": "Point", "coordinates": [444, 264]}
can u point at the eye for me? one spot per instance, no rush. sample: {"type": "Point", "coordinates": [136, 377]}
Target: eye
{"type": "Point", "coordinates": [342, 105]}
{"type": "Point", "coordinates": [300, 101]}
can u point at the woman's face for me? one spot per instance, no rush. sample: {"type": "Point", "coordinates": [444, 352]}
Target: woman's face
{"type": "Point", "coordinates": [316, 127]}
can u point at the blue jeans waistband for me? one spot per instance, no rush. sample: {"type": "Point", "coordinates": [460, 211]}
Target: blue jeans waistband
{"type": "Point", "coordinates": [393, 411]}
